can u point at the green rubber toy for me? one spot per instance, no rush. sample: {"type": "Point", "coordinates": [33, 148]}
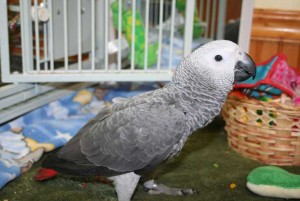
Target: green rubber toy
{"type": "Point", "coordinates": [273, 181]}
{"type": "Point", "coordinates": [139, 38]}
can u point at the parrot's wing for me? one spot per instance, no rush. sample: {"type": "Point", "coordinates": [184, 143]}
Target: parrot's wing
{"type": "Point", "coordinates": [131, 135]}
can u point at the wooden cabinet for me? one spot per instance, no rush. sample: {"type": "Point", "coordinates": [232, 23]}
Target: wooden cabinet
{"type": "Point", "coordinates": [276, 31]}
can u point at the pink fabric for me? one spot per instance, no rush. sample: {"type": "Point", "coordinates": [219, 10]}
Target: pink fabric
{"type": "Point", "coordinates": [286, 76]}
{"type": "Point", "coordinates": [278, 74]}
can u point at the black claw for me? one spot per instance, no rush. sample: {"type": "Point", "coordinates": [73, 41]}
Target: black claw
{"type": "Point", "coordinates": [188, 191]}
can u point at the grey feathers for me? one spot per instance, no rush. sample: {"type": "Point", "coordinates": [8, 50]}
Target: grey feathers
{"type": "Point", "coordinates": [132, 134]}
{"type": "Point", "coordinates": [141, 132]}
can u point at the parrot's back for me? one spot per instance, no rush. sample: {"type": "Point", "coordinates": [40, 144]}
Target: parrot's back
{"type": "Point", "coordinates": [136, 135]}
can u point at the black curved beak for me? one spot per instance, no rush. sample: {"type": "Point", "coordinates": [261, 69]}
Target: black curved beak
{"type": "Point", "coordinates": [244, 69]}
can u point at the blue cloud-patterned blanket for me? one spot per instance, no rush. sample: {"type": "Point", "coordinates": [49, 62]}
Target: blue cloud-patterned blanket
{"type": "Point", "coordinates": [25, 139]}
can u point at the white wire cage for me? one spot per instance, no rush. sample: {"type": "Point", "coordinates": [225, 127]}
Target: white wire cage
{"type": "Point", "coordinates": [64, 41]}
{"type": "Point", "coordinates": [103, 40]}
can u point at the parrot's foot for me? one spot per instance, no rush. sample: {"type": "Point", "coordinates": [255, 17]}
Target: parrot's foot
{"type": "Point", "coordinates": [153, 188]}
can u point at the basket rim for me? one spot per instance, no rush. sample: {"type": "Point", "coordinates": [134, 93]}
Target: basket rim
{"type": "Point", "coordinates": [269, 105]}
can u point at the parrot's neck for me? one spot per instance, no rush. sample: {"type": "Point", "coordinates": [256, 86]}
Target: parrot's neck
{"type": "Point", "coordinates": [200, 105]}
{"type": "Point", "coordinates": [201, 95]}
{"type": "Point", "coordinates": [201, 102]}
{"type": "Point", "coordinates": [203, 105]}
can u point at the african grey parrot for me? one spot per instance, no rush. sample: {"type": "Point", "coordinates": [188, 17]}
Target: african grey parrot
{"type": "Point", "coordinates": [134, 135]}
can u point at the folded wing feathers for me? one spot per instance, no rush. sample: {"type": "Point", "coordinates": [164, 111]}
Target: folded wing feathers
{"type": "Point", "coordinates": [133, 135]}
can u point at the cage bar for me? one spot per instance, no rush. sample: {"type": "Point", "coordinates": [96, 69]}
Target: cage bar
{"type": "Point", "coordinates": [23, 41]}
{"type": "Point", "coordinates": [172, 33]}
{"type": "Point", "coordinates": [106, 36]}
{"type": "Point", "coordinates": [146, 35]}
{"type": "Point", "coordinates": [188, 28]}
{"type": "Point", "coordinates": [120, 36]}
{"type": "Point", "coordinates": [26, 33]}
{"type": "Point", "coordinates": [4, 39]}
{"type": "Point", "coordinates": [66, 35]}
{"type": "Point", "coordinates": [133, 35]}
{"type": "Point", "coordinates": [161, 14]}
{"type": "Point", "coordinates": [79, 35]}
{"type": "Point", "coordinates": [138, 75]}
{"type": "Point", "coordinates": [51, 45]}
{"type": "Point", "coordinates": [27, 36]}
{"type": "Point", "coordinates": [45, 48]}
{"type": "Point", "coordinates": [93, 35]}
{"type": "Point", "coordinates": [37, 36]}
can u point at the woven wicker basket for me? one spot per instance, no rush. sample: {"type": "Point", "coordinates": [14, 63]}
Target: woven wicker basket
{"type": "Point", "coordinates": [265, 131]}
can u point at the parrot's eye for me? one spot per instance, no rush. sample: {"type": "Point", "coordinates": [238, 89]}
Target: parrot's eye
{"type": "Point", "coordinates": [218, 58]}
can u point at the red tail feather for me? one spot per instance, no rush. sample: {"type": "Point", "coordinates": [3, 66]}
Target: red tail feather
{"type": "Point", "coordinates": [45, 174]}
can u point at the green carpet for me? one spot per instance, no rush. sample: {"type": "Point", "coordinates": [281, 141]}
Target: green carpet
{"type": "Point", "coordinates": [206, 164]}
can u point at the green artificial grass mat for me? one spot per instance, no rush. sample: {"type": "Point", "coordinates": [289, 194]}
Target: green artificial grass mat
{"type": "Point", "coordinates": [206, 164]}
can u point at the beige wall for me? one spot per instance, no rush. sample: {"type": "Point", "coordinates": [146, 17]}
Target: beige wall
{"type": "Point", "coordinates": [278, 4]}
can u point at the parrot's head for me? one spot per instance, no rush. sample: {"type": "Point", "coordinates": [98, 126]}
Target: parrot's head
{"type": "Point", "coordinates": [216, 63]}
